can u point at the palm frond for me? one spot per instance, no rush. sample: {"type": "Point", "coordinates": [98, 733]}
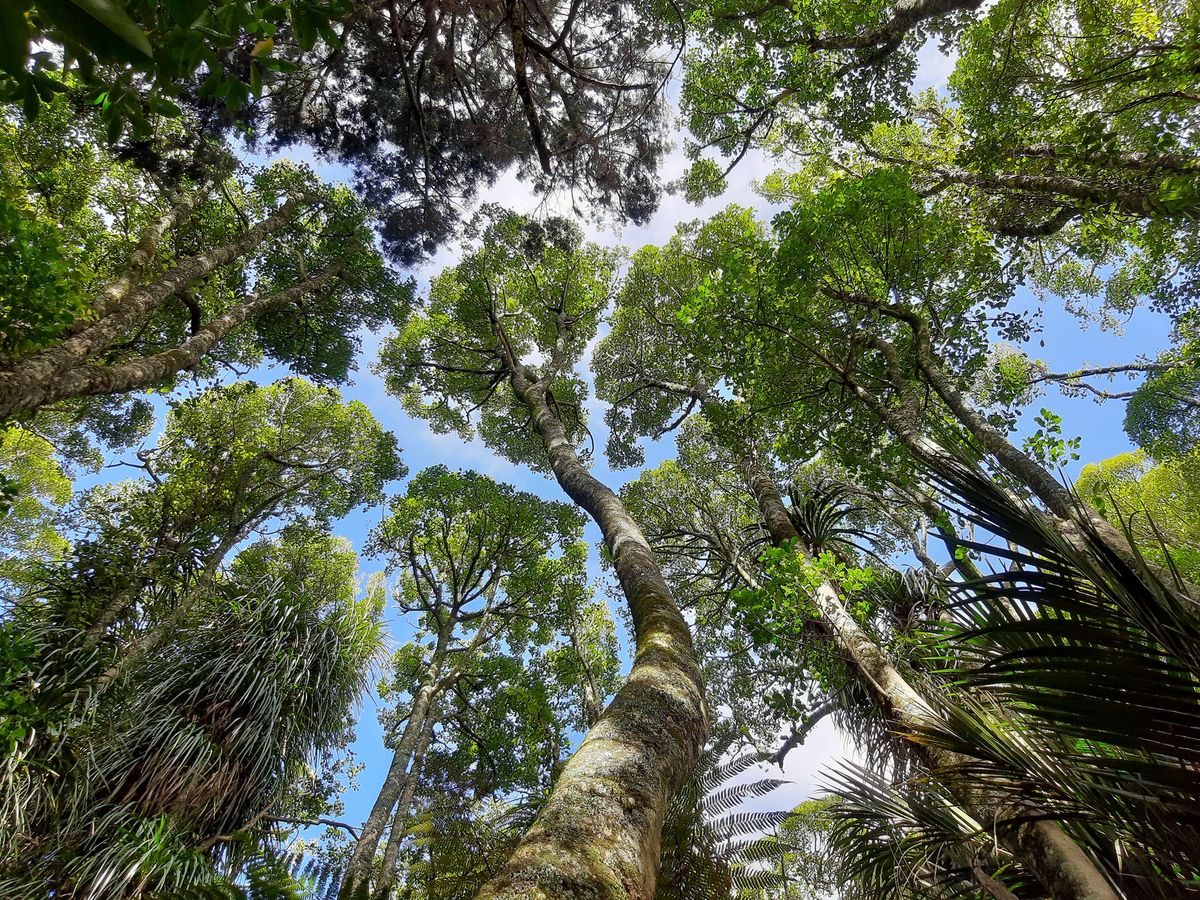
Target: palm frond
{"type": "Point", "coordinates": [1072, 679]}
{"type": "Point", "coordinates": [822, 514]}
{"type": "Point", "coordinates": [908, 839]}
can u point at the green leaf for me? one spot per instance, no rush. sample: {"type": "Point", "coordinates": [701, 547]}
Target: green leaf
{"type": "Point", "coordinates": [118, 22]}
{"type": "Point", "coordinates": [278, 65]}
{"type": "Point", "coordinates": [119, 38]}
{"type": "Point", "coordinates": [305, 28]}
{"type": "Point", "coordinates": [164, 107]}
{"type": "Point", "coordinates": [186, 12]}
{"type": "Point", "coordinates": [14, 37]}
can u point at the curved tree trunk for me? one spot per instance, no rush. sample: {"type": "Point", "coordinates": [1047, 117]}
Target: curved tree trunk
{"type": "Point", "coordinates": [1059, 500]}
{"type": "Point", "coordinates": [599, 834]}
{"type": "Point", "coordinates": [1042, 846]}
{"type": "Point", "coordinates": [1063, 510]}
{"type": "Point", "coordinates": [151, 371]}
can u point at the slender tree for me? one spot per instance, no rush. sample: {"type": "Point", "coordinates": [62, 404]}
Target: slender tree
{"type": "Point", "coordinates": [471, 559]}
{"type": "Point", "coordinates": [169, 277]}
{"type": "Point", "coordinates": [500, 746]}
{"type": "Point", "coordinates": [537, 289]}
{"type": "Point", "coordinates": [230, 462]}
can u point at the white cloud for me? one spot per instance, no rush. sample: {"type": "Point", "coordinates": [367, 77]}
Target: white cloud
{"type": "Point", "coordinates": [933, 67]}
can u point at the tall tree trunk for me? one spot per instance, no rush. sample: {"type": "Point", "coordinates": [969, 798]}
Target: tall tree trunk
{"type": "Point", "coordinates": [358, 871]}
{"type": "Point", "coordinates": [25, 386]}
{"type": "Point", "coordinates": [391, 853]}
{"type": "Point", "coordinates": [1060, 501]}
{"type": "Point", "coordinates": [599, 834]}
{"type": "Point", "coordinates": [1042, 846]}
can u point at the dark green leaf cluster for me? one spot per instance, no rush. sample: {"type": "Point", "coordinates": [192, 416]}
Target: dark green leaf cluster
{"type": "Point", "coordinates": [141, 59]}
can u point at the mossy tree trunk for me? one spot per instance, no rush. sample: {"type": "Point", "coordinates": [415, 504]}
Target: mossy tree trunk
{"type": "Point", "coordinates": [38, 379]}
{"type": "Point", "coordinates": [599, 834]}
{"type": "Point", "coordinates": [1041, 845]}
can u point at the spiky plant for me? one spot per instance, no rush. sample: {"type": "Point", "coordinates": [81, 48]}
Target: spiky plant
{"type": "Point", "coordinates": [824, 515]}
{"type": "Point", "coordinates": [166, 778]}
{"type": "Point", "coordinates": [908, 839]}
{"type": "Point", "coordinates": [1069, 683]}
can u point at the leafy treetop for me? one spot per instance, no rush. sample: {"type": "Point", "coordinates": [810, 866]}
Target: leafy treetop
{"type": "Point", "coordinates": [530, 296]}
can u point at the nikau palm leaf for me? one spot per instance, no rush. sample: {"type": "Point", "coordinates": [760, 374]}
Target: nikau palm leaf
{"type": "Point", "coordinates": [1071, 677]}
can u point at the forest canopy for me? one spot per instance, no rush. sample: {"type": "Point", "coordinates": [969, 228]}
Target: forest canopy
{"type": "Point", "coordinates": [527, 450]}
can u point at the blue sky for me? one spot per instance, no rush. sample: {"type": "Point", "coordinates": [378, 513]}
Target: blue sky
{"type": "Point", "coordinates": [1068, 344]}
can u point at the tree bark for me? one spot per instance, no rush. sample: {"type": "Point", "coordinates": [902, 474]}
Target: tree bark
{"type": "Point", "coordinates": [599, 834]}
{"type": "Point", "coordinates": [391, 852]}
{"type": "Point", "coordinates": [1136, 160]}
{"type": "Point", "coordinates": [362, 860]}
{"type": "Point", "coordinates": [1065, 513]}
{"type": "Point", "coordinates": [25, 386]}
{"type": "Point", "coordinates": [120, 287]}
{"type": "Point", "coordinates": [1053, 187]}
{"type": "Point", "coordinates": [1060, 501]}
{"type": "Point", "coordinates": [1042, 846]}
{"type": "Point", "coordinates": [151, 371]}
{"type": "Point", "coordinates": [905, 15]}
{"type": "Point", "coordinates": [117, 606]}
